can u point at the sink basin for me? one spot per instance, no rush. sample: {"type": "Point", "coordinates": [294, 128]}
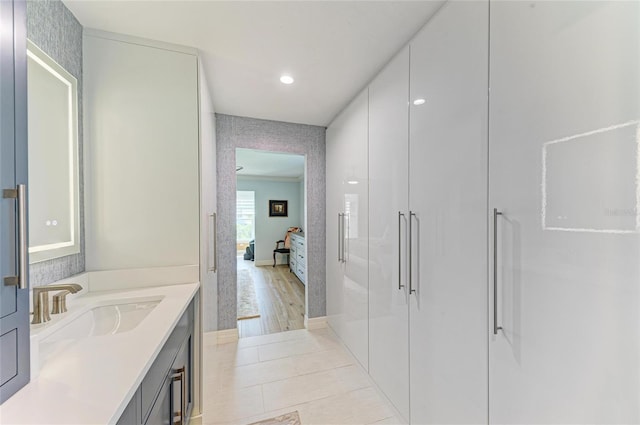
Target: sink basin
{"type": "Point", "coordinates": [107, 320]}
{"type": "Point", "coordinates": [99, 321]}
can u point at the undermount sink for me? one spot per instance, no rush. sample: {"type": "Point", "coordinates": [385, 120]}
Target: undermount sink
{"type": "Point", "coordinates": [99, 321]}
{"type": "Point", "coordinates": [108, 320]}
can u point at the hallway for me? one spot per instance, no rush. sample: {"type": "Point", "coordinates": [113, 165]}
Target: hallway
{"type": "Point", "coordinates": [280, 298]}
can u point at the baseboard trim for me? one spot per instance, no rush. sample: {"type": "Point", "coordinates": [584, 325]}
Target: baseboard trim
{"type": "Point", "coordinates": [315, 322]}
{"type": "Point", "coordinates": [226, 336]}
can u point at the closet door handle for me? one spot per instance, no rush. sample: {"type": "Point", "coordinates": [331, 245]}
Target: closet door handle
{"type": "Point", "coordinates": [21, 280]}
{"type": "Point", "coordinates": [213, 232]}
{"type": "Point", "coordinates": [339, 236]}
{"type": "Point", "coordinates": [496, 213]}
{"type": "Point", "coordinates": [400, 215]}
{"type": "Point", "coordinates": [345, 241]}
{"type": "Point", "coordinates": [411, 290]}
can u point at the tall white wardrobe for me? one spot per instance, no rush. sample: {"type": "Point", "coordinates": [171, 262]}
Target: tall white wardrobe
{"type": "Point", "coordinates": [149, 155]}
{"type": "Point", "coordinates": [501, 153]}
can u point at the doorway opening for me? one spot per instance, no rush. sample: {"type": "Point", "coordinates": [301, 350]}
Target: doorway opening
{"type": "Point", "coordinates": [271, 258]}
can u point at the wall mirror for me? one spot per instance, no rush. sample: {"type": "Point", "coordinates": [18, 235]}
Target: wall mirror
{"type": "Point", "coordinates": [54, 225]}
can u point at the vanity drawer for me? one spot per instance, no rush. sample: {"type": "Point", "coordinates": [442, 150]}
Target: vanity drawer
{"type": "Point", "coordinates": [292, 263]}
{"type": "Point", "coordinates": [155, 378]}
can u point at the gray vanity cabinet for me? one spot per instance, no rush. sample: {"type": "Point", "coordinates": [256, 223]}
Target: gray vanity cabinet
{"type": "Point", "coordinates": [14, 261]}
{"type": "Point", "coordinates": [131, 413]}
{"type": "Point", "coordinates": [166, 393]}
{"type": "Point", "coordinates": [174, 402]}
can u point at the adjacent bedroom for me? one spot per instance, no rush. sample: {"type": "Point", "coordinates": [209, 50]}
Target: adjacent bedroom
{"type": "Point", "coordinates": [270, 223]}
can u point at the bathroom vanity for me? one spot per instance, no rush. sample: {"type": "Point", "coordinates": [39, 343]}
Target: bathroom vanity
{"type": "Point", "coordinates": [166, 392]}
{"type": "Point", "coordinates": [88, 368]}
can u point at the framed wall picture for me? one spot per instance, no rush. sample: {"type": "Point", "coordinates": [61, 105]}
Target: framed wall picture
{"type": "Point", "coordinates": [278, 208]}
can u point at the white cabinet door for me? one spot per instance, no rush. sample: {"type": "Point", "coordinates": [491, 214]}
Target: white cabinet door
{"type": "Point", "coordinates": [208, 206]}
{"type": "Point", "coordinates": [448, 195]}
{"type": "Point", "coordinates": [334, 216]}
{"type": "Point", "coordinates": [388, 209]}
{"type": "Point", "coordinates": [141, 154]}
{"type": "Point", "coordinates": [347, 284]}
{"type": "Point", "coordinates": [356, 230]}
{"type": "Point", "coordinates": [564, 161]}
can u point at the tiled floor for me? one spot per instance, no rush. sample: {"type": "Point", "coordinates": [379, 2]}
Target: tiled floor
{"type": "Point", "coordinates": [309, 371]}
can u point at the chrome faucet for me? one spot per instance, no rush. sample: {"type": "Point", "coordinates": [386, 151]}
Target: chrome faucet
{"type": "Point", "coordinates": [41, 300]}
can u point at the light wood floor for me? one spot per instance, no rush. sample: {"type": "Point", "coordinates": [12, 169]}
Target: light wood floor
{"type": "Point", "coordinates": [280, 299]}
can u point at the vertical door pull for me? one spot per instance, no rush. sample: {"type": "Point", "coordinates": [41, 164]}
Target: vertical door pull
{"type": "Point", "coordinates": [411, 290]}
{"type": "Point", "coordinates": [345, 233]}
{"type": "Point", "coordinates": [339, 236]}
{"type": "Point", "coordinates": [213, 236]}
{"type": "Point", "coordinates": [400, 215]}
{"type": "Point", "coordinates": [496, 213]}
{"type": "Point", "coordinates": [342, 237]}
{"type": "Point", "coordinates": [21, 278]}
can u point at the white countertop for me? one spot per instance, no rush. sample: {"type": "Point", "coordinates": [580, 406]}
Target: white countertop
{"type": "Point", "coordinates": [91, 382]}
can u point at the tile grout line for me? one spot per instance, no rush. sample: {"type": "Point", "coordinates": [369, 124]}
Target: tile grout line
{"type": "Point", "coordinates": [316, 400]}
{"type": "Point", "coordinates": [303, 332]}
{"type": "Point", "coordinates": [337, 349]}
{"type": "Point", "coordinates": [261, 385]}
{"type": "Point", "coordinates": [301, 374]}
{"type": "Point", "coordinates": [294, 355]}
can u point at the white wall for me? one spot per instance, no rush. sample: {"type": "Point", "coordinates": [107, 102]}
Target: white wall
{"type": "Point", "coordinates": [141, 154]}
{"type": "Point", "coordinates": [271, 229]}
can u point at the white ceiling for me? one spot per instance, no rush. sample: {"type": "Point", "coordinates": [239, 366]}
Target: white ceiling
{"type": "Point", "coordinates": [331, 48]}
{"type": "Point", "coordinates": [269, 164]}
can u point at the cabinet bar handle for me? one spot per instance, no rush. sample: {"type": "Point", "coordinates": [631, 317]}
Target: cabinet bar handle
{"type": "Point", "coordinates": [21, 280]}
{"type": "Point", "coordinates": [411, 290]}
{"type": "Point", "coordinates": [496, 213]}
{"type": "Point", "coordinates": [215, 242]}
{"type": "Point", "coordinates": [346, 220]}
{"type": "Point", "coordinates": [177, 418]}
{"type": "Point", "coordinates": [400, 215]}
{"type": "Point", "coordinates": [183, 397]}
{"type": "Point", "coordinates": [213, 223]}
{"type": "Point", "coordinates": [339, 235]}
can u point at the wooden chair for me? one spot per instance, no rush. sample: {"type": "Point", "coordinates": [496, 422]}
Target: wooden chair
{"type": "Point", "coordinates": [278, 250]}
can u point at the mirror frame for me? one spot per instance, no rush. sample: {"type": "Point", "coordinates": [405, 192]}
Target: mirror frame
{"type": "Point", "coordinates": [63, 248]}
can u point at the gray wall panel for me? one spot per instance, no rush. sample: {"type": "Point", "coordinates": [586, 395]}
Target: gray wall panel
{"type": "Point", "coordinates": [239, 132]}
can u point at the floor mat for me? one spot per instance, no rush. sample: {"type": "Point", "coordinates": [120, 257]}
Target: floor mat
{"type": "Point", "coordinates": [247, 299]}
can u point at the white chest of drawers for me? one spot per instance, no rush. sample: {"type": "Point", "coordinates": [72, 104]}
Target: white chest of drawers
{"type": "Point", "coordinates": [298, 260]}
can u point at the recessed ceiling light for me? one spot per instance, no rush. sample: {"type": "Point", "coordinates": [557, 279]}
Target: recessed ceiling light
{"type": "Point", "coordinates": [286, 79]}
{"type": "Point", "coordinates": [419, 101]}
{"type": "Point", "coordinates": [352, 181]}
